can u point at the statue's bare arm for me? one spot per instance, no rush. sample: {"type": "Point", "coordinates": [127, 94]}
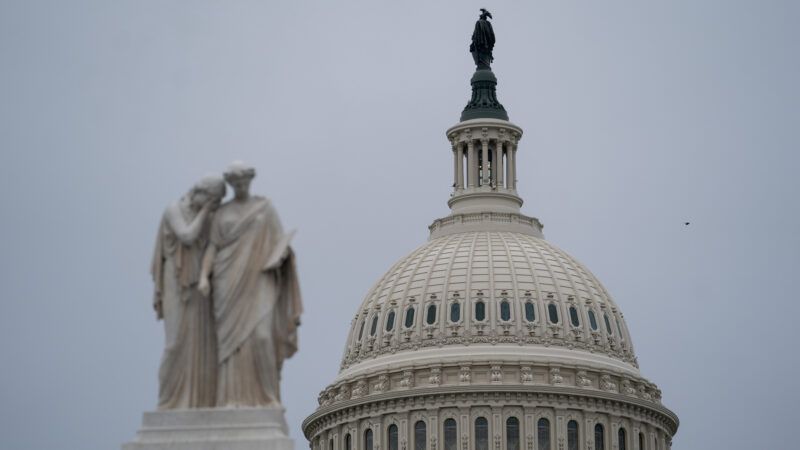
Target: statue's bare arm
{"type": "Point", "coordinates": [187, 233]}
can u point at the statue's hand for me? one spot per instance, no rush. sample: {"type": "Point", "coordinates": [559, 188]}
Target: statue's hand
{"type": "Point", "coordinates": [204, 287]}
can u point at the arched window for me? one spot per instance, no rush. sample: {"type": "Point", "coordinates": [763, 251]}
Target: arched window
{"type": "Point", "coordinates": [543, 430]}
{"type": "Point", "coordinates": [505, 311]}
{"type": "Point", "coordinates": [361, 330]}
{"type": "Point", "coordinates": [641, 442]}
{"type": "Point", "coordinates": [512, 433]}
{"type": "Point", "coordinates": [480, 311]}
{"type": "Point", "coordinates": [348, 442]}
{"type": "Point", "coordinates": [530, 312]}
{"type": "Point", "coordinates": [599, 437]}
{"type": "Point", "coordinates": [572, 435]}
{"type": "Point", "coordinates": [450, 435]}
{"type": "Point", "coordinates": [592, 320]}
{"type": "Point", "coordinates": [619, 328]}
{"type": "Point", "coordinates": [431, 315]}
{"type": "Point", "coordinates": [392, 436]}
{"type": "Point", "coordinates": [368, 439]}
{"type": "Point", "coordinates": [409, 317]}
{"type": "Point", "coordinates": [622, 442]}
{"type": "Point", "coordinates": [573, 317]}
{"type": "Point", "coordinates": [420, 435]}
{"type": "Point", "coordinates": [374, 327]}
{"type": "Point", "coordinates": [330, 444]}
{"type": "Point", "coordinates": [608, 324]}
{"type": "Point", "coordinates": [481, 434]}
{"type": "Point", "coordinates": [552, 312]}
{"type": "Point", "coordinates": [455, 312]}
{"type": "Point", "coordinates": [390, 321]}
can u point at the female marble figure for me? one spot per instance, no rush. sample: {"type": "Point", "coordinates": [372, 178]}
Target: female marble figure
{"type": "Point", "coordinates": [255, 293]}
{"type": "Point", "coordinates": [188, 373]}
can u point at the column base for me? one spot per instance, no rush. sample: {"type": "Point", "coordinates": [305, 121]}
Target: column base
{"type": "Point", "coordinates": [213, 429]}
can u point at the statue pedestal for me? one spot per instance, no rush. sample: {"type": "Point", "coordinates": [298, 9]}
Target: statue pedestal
{"type": "Point", "coordinates": [213, 429]}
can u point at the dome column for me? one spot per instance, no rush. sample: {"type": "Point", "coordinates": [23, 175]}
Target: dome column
{"type": "Point", "coordinates": [472, 165]}
{"type": "Point", "coordinates": [497, 168]}
{"type": "Point", "coordinates": [511, 166]}
{"type": "Point", "coordinates": [485, 162]}
{"type": "Point", "coordinates": [458, 165]}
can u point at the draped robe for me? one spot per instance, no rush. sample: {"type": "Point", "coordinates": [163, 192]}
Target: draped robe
{"type": "Point", "coordinates": [482, 44]}
{"type": "Point", "coordinates": [257, 302]}
{"type": "Point", "coordinates": [188, 372]}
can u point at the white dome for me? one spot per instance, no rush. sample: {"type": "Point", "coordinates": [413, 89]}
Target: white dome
{"type": "Point", "coordinates": [532, 294]}
{"type": "Point", "coordinates": [485, 329]}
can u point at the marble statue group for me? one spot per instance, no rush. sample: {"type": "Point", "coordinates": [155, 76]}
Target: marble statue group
{"type": "Point", "coordinates": [227, 289]}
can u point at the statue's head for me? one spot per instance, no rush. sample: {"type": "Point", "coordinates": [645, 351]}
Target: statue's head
{"type": "Point", "coordinates": [485, 14]}
{"type": "Point", "coordinates": [239, 175]}
{"type": "Point", "coordinates": [209, 188]}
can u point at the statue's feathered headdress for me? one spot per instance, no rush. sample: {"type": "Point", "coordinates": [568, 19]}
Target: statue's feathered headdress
{"type": "Point", "coordinates": [485, 14]}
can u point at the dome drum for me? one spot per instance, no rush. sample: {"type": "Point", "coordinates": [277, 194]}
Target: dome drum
{"type": "Point", "coordinates": [450, 415]}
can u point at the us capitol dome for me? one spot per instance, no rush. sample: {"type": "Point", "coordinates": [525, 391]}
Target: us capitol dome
{"type": "Point", "coordinates": [488, 337]}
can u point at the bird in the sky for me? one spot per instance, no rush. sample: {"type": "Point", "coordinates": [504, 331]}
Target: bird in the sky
{"type": "Point", "coordinates": [686, 223]}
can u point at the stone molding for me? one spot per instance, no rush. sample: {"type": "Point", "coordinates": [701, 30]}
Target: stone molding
{"type": "Point", "coordinates": [213, 428]}
{"type": "Point", "coordinates": [485, 221]}
{"type": "Point", "coordinates": [490, 373]}
{"type": "Point", "coordinates": [435, 398]}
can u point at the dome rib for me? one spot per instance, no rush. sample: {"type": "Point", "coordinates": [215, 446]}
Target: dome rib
{"type": "Point", "coordinates": [515, 288]}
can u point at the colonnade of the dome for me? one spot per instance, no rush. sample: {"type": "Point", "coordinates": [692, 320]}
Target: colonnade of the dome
{"type": "Point", "coordinates": [484, 166]}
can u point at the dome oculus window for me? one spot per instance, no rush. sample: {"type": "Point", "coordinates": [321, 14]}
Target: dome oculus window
{"type": "Point", "coordinates": [480, 311]}
{"type": "Point", "coordinates": [430, 318]}
{"type": "Point", "coordinates": [374, 327]}
{"type": "Point", "coordinates": [505, 311]}
{"type": "Point", "coordinates": [390, 321]}
{"type": "Point", "coordinates": [455, 312]}
{"type": "Point", "coordinates": [530, 312]}
{"type": "Point", "coordinates": [573, 317]}
{"type": "Point", "coordinates": [409, 322]}
{"type": "Point", "coordinates": [608, 324]}
{"type": "Point", "coordinates": [592, 320]}
{"type": "Point", "coordinates": [361, 329]}
{"type": "Point", "coordinates": [552, 312]}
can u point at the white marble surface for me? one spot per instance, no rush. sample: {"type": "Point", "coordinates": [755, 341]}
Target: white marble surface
{"type": "Point", "coordinates": [213, 429]}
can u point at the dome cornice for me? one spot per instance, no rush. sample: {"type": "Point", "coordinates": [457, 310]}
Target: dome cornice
{"type": "Point", "coordinates": [449, 396]}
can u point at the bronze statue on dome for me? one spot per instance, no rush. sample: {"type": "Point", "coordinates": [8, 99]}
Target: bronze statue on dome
{"type": "Point", "coordinates": [483, 41]}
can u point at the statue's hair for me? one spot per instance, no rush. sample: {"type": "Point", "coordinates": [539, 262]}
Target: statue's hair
{"type": "Point", "coordinates": [237, 170]}
{"type": "Point", "coordinates": [213, 185]}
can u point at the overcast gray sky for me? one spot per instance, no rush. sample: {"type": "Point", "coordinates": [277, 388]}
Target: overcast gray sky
{"type": "Point", "coordinates": [638, 117]}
